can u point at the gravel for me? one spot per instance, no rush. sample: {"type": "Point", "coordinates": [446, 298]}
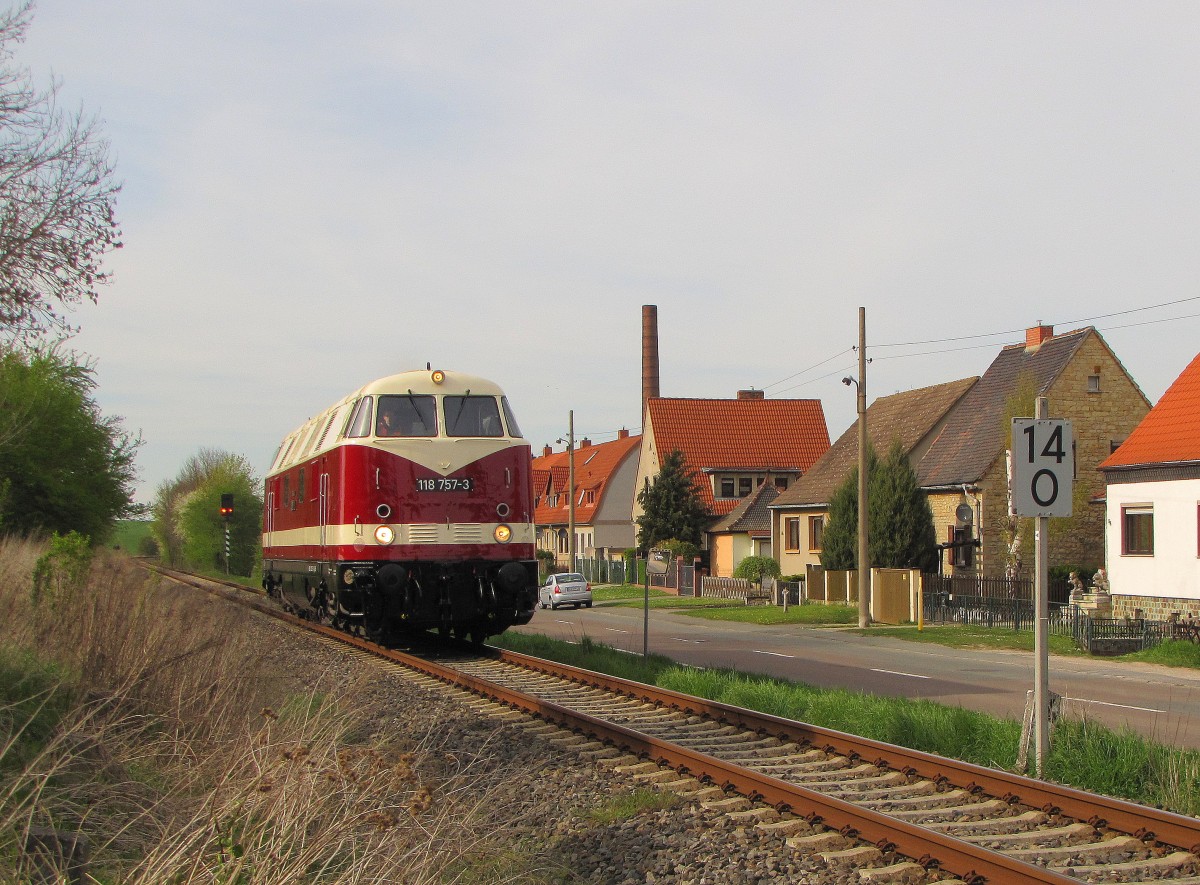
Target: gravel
{"type": "Point", "coordinates": [542, 795]}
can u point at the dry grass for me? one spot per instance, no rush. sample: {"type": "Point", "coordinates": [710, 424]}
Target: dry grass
{"type": "Point", "coordinates": [181, 765]}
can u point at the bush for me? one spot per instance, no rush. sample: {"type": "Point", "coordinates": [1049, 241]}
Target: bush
{"type": "Point", "coordinates": [755, 568]}
{"type": "Point", "coordinates": [61, 570]}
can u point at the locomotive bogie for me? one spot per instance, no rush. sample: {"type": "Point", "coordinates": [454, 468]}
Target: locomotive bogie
{"type": "Point", "coordinates": [406, 506]}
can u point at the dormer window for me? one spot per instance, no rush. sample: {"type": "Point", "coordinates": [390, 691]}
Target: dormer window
{"type": "Point", "coordinates": [726, 487]}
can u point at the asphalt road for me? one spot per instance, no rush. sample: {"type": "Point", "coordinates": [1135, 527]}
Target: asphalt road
{"type": "Point", "coordinates": [1162, 703]}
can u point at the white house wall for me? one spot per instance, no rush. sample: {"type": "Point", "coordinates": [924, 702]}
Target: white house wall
{"type": "Point", "coordinates": [1174, 569]}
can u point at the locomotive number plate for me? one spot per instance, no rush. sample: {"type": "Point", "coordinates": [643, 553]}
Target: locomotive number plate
{"type": "Point", "coordinates": [445, 484]}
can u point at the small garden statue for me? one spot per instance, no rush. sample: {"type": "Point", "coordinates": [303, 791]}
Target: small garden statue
{"type": "Point", "coordinates": [1076, 586]}
{"type": "Point", "coordinates": [1100, 582]}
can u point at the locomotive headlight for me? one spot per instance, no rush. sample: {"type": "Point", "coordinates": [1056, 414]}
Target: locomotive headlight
{"type": "Point", "coordinates": [438, 377]}
{"type": "Point", "coordinates": [385, 534]}
{"type": "Point", "coordinates": [503, 534]}
{"type": "Point", "coordinates": [348, 577]}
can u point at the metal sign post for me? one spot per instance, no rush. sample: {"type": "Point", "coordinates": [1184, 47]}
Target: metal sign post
{"type": "Point", "coordinates": [1043, 469]}
{"type": "Point", "coordinates": [656, 564]}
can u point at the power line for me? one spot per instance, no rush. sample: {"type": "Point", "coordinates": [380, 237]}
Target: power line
{"type": "Point", "coordinates": [809, 369]}
{"type": "Point", "coordinates": [1059, 323]}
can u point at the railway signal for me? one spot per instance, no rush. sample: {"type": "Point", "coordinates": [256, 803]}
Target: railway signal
{"type": "Point", "coordinates": [227, 505]}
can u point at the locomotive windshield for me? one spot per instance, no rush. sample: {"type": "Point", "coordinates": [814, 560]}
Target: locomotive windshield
{"type": "Point", "coordinates": [472, 416]}
{"type": "Point", "coordinates": [408, 415]}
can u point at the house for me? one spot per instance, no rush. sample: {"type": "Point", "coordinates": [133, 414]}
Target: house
{"type": "Point", "coordinates": [603, 495]}
{"type": "Point", "coordinates": [914, 418]}
{"type": "Point", "coordinates": [733, 446]}
{"type": "Point", "coordinates": [1153, 508]}
{"type": "Point", "coordinates": [744, 531]}
{"type": "Point", "coordinates": [967, 463]}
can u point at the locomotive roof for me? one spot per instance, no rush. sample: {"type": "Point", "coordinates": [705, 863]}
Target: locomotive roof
{"type": "Point", "coordinates": [421, 381]}
{"type": "Point", "coordinates": [323, 431]}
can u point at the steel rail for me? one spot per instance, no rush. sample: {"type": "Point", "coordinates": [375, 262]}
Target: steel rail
{"type": "Point", "coordinates": [973, 864]}
{"type": "Point", "coordinates": [1143, 822]}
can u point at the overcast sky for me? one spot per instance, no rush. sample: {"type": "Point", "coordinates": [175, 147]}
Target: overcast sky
{"type": "Point", "coordinates": [320, 194]}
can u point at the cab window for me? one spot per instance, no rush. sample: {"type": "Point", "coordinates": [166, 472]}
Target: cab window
{"type": "Point", "coordinates": [472, 416]}
{"type": "Point", "coordinates": [510, 419]}
{"type": "Point", "coordinates": [360, 421]}
{"type": "Point", "coordinates": [409, 415]}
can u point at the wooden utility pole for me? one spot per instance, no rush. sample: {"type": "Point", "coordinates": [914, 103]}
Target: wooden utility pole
{"type": "Point", "coordinates": [864, 563]}
{"type": "Point", "coordinates": [571, 486]}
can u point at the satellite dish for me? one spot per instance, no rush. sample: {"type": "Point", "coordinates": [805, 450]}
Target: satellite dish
{"type": "Point", "coordinates": [964, 513]}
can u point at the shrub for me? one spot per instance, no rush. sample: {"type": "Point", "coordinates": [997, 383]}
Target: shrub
{"type": "Point", "coordinates": [61, 570]}
{"type": "Point", "coordinates": [755, 568]}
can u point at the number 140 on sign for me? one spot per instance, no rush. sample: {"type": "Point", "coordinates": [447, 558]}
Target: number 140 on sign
{"type": "Point", "coordinates": [1043, 466]}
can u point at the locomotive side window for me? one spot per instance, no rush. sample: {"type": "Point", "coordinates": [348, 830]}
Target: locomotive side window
{"type": "Point", "coordinates": [360, 421]}
{"type": "Point", "coordinates": [409, 415]}
{"type": "Point", "coordinates": [509, 418]}
{"type": "Point", "coordinates": [472, 416]}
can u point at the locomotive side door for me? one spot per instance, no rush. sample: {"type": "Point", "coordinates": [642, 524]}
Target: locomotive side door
{"type": "Point", "coordinates": [324, 507]}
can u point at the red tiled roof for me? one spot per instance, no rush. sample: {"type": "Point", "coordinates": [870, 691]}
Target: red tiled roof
{"type": "Point", "coordinates": [1170, 432]}
{"type": "Point", "coordinates": [738, 434]}
{"type": "Point", "coordinates": [594, 464]}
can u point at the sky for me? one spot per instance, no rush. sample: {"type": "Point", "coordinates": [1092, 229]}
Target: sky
{"type": "Point", "coordinates": [316, 195]}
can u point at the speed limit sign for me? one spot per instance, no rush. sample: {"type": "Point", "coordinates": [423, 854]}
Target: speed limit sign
{"type": "Point", "coordinates": [1043, 466]}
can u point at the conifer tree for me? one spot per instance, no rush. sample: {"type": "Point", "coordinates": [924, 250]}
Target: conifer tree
{"type": "Point", "coordinates": [671, 506]}
{"type": "Point", "coordinates": [900, 520]}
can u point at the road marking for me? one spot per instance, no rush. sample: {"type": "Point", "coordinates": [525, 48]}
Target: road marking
{"type": "Point", "coordinates": [694, 641]}
{"type": "Point", "coordinates": [561, 621]}
{"type": "Point", "coordinates": [615, 630]}
{"type": "Point", "coordinates": [773, 654]}
{"type": "Point", "coordinates": [1107, 704]}
{"type": "Point", "coordinates": [898, 673]}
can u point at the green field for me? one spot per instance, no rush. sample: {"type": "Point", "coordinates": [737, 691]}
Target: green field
{"type": "Point", "coordinates": [130, 535]}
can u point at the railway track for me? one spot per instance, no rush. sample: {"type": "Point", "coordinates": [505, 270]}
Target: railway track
{"type": "Point", "coordinates": [895, 814]}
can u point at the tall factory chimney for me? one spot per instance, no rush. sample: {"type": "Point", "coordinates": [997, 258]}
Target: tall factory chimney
{"type": "Point", "coordinates": [649, 355]}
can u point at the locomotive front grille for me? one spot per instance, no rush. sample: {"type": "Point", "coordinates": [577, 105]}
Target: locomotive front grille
{"type": "Point", "coordinates": [467, 534]}
{"type": "Point", "coordinates": [423, 533]}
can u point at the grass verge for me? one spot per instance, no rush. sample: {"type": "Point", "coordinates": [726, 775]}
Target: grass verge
{"type": "Point", "coordinates": [1083, 754]}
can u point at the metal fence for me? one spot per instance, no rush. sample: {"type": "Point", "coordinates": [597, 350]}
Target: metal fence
{"type": "Point", "coordinates": [1118, 635]}
{"type": "Point", "coordinates": [605, 571]}
{"type": "Point", "coordinates": [991, 611]}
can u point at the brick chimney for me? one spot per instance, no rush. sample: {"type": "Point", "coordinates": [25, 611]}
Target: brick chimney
{"type": "Point", "coordinates": [752, 394]}
{"type": "Point", "coordinates": [1036, 335]}
{"type": "Point", "coordinates": [585, 443]}
{"type": "Point", "coordinates": [650, 379]}
{"type": "Point", "coordinates": [623, 433]}
{"type": "Point", "coordinates": [547, 451]}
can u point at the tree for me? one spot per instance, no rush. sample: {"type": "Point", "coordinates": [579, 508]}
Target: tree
{"type": "Point", "coordinates": [839, 539]}
{"type": "Point", "coordinates": [671, 507]}
{"type": "Point", "coordinates": [63, 466]}
{"type": "Point", "coordinates": [188, 525]}
{"type": "Point", "coordinates": [57, 197]}
{"type": "Point", "coordinates": [900, 532]}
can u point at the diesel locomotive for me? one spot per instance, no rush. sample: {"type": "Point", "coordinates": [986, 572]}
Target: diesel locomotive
{"type": "Point", "coordinates": [405, 507]}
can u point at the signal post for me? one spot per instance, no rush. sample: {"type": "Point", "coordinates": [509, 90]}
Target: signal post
{"type": "Point", "coordinates": [1043, 470]}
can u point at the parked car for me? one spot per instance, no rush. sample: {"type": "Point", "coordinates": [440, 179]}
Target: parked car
{"type": "Point", "coordinates": [565, 589]}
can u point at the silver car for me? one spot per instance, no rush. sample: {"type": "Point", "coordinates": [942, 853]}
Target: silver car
{"type": "Point", "coordinates": [565, 589]}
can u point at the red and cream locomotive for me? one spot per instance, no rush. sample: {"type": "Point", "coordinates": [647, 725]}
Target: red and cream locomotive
{"type": "Point", "coordinates": [407, 506]}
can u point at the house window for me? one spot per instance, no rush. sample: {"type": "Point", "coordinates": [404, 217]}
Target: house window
{"type": "Point", "coordinates": [745, 486]}
{"type": "Point", "coordinates": [816, 533]}
{"type": "Point", "coordinates": [781, 483]}
{"type": "Point", "coordinates": [1137, 530]}
{"type": "Point", "coordinates": [726, 486]}
{"type": "Point", "coordinates": [791, 529]}
{"type": "Point", "coordinates": [1093, 383]}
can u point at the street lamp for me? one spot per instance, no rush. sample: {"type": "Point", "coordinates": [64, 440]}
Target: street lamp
{"type": "Point", "coordinates": [571, 486]}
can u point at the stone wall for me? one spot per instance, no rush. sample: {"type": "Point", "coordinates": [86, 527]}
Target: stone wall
{"type": "Point", "coordinates": [1100, 416]}
{"type": "Point", "coordinates": [1154, 608]}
